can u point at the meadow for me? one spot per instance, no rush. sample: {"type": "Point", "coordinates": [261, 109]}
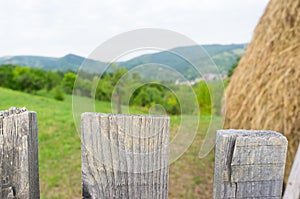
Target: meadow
{"type": "Point", "coordinates": [60, 150]}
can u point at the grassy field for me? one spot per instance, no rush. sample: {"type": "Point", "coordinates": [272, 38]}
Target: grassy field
{"type": "Point", "coordinates": [60, 155]}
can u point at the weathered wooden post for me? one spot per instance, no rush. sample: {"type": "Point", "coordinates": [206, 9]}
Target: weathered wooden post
{"type": "Point", "coordinates": [18, 154]}
{"type": "Point", "coordinates": [125, 156]}
{"type": "Point", "coordinates": [292, 190]}
{"type": "Point", "coordinates": [249, 164]}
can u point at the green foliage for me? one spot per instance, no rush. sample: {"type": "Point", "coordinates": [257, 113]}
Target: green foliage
{"type": "Point", "coordinates": [171, 103]}
{"type": "Point", "coordinates": [59, 94]}
{"type": "Point", "coordinates": [148, 95]}
{"type": "Point", "coordinates": [83, 86]}
{"type": "Point", "coordinates": [104, 88]}
{"type": "Point", "coordinates": [116, 87]}
{"type": "Point", "coordinates": [6, 76]}
{"type": "Point", "coordinates": [28, 80]}
{"type": "Point", "coordinates": [52, 80]}
{"type": "Point", "coordinates": [151, 94]}
{"type": "Point", "coordinates": [204, 98]}
{"type": "Point", "coordinates": [233, 67]}
{"type": "Point", "coordinates": [68, 82]}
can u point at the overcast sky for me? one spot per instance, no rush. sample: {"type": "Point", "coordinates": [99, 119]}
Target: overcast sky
{"type": "Point", "coordinates": [59, 27]}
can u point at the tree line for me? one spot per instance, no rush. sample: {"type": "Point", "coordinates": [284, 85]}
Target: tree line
{"type": "Point", "coordinates": [110, 85]}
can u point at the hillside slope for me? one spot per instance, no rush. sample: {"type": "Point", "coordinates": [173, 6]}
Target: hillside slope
{"type": "Point", "coordinates": [68, 62]}
{"type": "Point", "coordinates": [60, 150]}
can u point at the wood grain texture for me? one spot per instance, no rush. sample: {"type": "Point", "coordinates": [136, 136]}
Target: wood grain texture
{"type": "Point", "coordinates": [124, 156]}
{"type": "Point", "coordinates": [249, 164]}
{"type": "Point", "coordinates": [292, 190]}
{"type": "Point", "coordinates": [19, 154]}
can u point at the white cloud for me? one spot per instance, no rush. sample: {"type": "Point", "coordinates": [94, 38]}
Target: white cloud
{"type": "Point", "coordinates": [55, 27]}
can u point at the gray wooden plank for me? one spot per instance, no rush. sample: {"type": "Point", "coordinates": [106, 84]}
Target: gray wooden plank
{"type": "Point", "coordinates": [249, 164]}
{"type": "Point", "coordinates": [19, 154]}
{"type": "Point", "coordinates": [292, 190]}
{"type": "Point", "coordinates": [124, 156]}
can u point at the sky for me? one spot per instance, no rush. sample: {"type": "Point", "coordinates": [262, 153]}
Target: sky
{"type": "Point", "coordinates": [59, 27]}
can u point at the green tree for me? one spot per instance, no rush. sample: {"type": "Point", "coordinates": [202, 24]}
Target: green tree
{"type": "Point", "coordinates": [6, 76]}
{"type": "Point", "coordinates": [58, 93]}
{"type": "Point", "coordinates": [171, 103]}
{"type": "Point", "coordinates": [204, 98]}
{"type": "Point", "coordinates": [52, 80]}
{"type": "Point", "coordinates": [118, 81]}
{"type": "Point", "coordinates": [28, 80]}
{"type": "Point", "coordinates": [68, 82]}
{"type": "Point", "coordinates": [104, 89]}
{"type": "Point", "coordinates": [233, 67]}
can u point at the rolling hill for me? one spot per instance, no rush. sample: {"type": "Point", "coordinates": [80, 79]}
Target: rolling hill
{"type": "Point", "coordinates": [223, 56]}
{"type": "Point", "coordinates": [68, 62]}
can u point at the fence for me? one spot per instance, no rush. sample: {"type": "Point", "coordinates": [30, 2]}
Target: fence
{"type": "Point", "coordinates": [126, 156]}
{"type": "Point", "coordinates": [249, 164]}
{"type": "Point", "coordinates": [19, 154]}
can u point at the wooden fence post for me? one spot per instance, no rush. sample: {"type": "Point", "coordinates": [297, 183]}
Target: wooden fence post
{"type": "Point", "coordinates": [18, 154]}
{"type": "Point", "coordinates": [124, 156]}
{"type": "Point", "coordinates": [292, 190]}
{"type": "Point", "coordinates": [249, 164]}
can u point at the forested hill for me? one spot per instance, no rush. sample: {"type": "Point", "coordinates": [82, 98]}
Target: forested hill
{"type": "Point", "coordinates": [223, 55]}
{"type": "Point", "coordinates": [68, 62]}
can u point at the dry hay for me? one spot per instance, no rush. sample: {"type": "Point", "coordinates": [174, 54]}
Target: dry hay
{"type": "Point", "coordinates": [264, 91]}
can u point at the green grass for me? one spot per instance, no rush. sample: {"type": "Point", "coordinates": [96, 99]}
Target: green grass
{"type": "Point", "coordinates": [59, 143]}
{"type": "Point", "coordinates": [60, 153]}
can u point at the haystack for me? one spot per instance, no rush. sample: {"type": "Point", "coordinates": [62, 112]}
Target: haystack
{"type": "Point", "coordinates": [264, 91]}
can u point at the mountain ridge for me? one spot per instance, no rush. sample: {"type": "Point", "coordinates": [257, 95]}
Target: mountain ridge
{"type": "Point", "coordinates": [222, 55]}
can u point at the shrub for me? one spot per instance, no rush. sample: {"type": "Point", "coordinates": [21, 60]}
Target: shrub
{"type": "Point", "coordinates": [59, 94]}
